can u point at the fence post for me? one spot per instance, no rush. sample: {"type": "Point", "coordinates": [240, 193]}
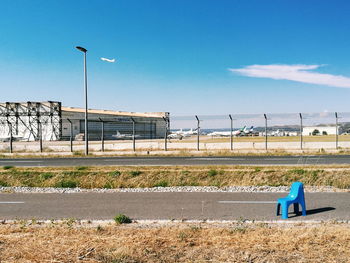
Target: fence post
{"type": "Point", "coordinates": [166, 134]}
{"type": "Point", "coordinates": [40, 136]}
{"type": "Point", "coordinates": [102, 135]}
{"type": "Point", "coordinates": [231, 136]}
{"type": "Point", "coordinates": [11, 139]}
{"type": "Point", "coordinates": [198, 130]}
{"type": "Point", "coordinates": [265, 131]}
{"type": "Point", "coordinates": [301, 131]}
{"type": "Point", "coordinates": [71, 135]}
{"type": "Point", "coordinates": [336, 130]}
{"type": "Point", "coordinates": [133, 135]}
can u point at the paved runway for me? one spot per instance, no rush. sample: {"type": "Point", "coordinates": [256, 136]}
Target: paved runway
{"type": "Point", "coordinates": [215, 206]}
{"type": "Point", "coordinates": [149, 161]}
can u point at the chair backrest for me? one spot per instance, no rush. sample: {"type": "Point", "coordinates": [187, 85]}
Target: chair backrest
{"type": "Point", "coordinates": [297, 190]}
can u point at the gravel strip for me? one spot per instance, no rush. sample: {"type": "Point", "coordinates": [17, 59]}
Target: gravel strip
{"type": "Point", "coordinates": [229, 189]}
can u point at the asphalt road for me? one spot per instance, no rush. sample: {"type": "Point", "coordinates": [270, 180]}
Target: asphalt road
{"type": "Point", "coordinates": [214, 206]}
{"type": "Point", "coordinates": [149, 161]}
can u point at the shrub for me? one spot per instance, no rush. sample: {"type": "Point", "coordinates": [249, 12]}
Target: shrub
{"type": "Point", "coordinates": [185, 172]}
{"type": "Point", "coordinates": [81, 168]}
{"type": "Point", "coordinates": [6, 167]}
{"type": "Point", "coordinates": [298, 171]}
{"type": "Point", "coordinates": [115, 174]}
{"type": "Point", "coordinates": [107, 185]}
{"type": "Point", "coordinates": [46, 176]}
{"type": "Point", "coordinates": [134, 173]}
{"type": "Point", "coordinates": [212, 172]}
{"type": "Point", "coordinates": [2, 183]}
{"type": "Point", "coordinates": [122, 219]}
{"type": "Point", "coordinates": [66, 184]}
{"type": "Point", "coordinates": [161, 184]}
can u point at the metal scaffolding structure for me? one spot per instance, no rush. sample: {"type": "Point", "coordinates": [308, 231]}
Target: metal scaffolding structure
{"type": "Point", "coordinates": [37, 119]}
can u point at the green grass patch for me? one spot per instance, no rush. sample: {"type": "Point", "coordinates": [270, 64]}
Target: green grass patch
{"type": "Point", "coordinates": [162, 184]}
{"type": "Point", "coordinates": [135, 173]}
{"type": "Point", "coordinates": [122, 219]}
{"type": "Point", "coordinates": [115, 174]}
{"type": "Point", "coordinates": [2, 183]}
{"type": "Point", "coordinates": [46, 176]}
{"type": "Point", "coordinates": [212, 173]}
{"type": "Point", "coordinates": [66, 184]}
{"type": "Point", "coordinates": [82, 168]}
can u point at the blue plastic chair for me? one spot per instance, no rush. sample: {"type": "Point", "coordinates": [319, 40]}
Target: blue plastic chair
{"type": "Point", "coordinates": [295, 197]}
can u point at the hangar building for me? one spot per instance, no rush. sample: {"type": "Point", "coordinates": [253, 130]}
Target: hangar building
{"type": "Point", "coordinates": [27, 120]}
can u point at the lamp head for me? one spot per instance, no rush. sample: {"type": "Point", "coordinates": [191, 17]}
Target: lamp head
{"type": "Point", "coordinates": [81, 49]}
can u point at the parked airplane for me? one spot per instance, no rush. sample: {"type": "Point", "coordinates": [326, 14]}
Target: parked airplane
{"type": "Point", "coordinates": [14, 138]}
{"type": "Point", "coordinates": [182, 134]}
{"type": "Point", "coordinates": [227, 133]}
{"type": "Point", "coordinates": [190, 132]}
{"type": "Point", "coordinates": [121, 136]}
{"type": "Point", "coordinates": [249, 131]}
{"type": "Point", "coordinates": [175, 136]}
{"type": "Point", "coordinates": [277, 133]}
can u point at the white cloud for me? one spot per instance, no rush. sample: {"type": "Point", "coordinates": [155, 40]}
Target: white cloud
{"type": "Point", "coordinates": [300, 73]}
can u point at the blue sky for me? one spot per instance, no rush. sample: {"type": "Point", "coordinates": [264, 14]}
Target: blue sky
{"type": "Point", "coordinates": [176, 56]}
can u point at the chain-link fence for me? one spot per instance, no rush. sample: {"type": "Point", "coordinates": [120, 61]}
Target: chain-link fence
{"type": "Point", "coordinates": [238, 132]}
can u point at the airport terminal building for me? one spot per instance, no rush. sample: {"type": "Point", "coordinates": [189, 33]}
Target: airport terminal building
{"type": "Point", "coordinates": [28, 121]}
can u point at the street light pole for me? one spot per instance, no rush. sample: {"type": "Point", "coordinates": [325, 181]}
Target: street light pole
{"type": "Point", "coordinates": [86, 101]}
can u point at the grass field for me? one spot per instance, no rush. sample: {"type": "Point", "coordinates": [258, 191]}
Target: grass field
{"type": "Point", "coordinates": [132, 177]}
{"type": "Point", "coordinates": [181, 242]}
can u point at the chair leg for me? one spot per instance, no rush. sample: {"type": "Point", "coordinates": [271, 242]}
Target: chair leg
{"type": "Point", "coordinates": [296, 208]}
{"type": "Point", "coordinates": [285, 211]}
{"type": "Point", "coordinates": [278, 209]}
{"type": "Point", "coordinates": [303, 208]}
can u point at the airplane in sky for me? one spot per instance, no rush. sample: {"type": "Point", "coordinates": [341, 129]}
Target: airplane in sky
{"type": "Point", "coordinates": [227, 133]}
{"type": "Point", "coordinates": [108, 60]}
{"type": "Point", "coordinates": [122, 136]}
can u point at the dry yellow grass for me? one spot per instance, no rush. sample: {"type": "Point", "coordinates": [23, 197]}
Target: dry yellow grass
{"type": "Point", "coordinates": [132, 177]}
{"type": "Point", "coordinates": [175, 243]}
